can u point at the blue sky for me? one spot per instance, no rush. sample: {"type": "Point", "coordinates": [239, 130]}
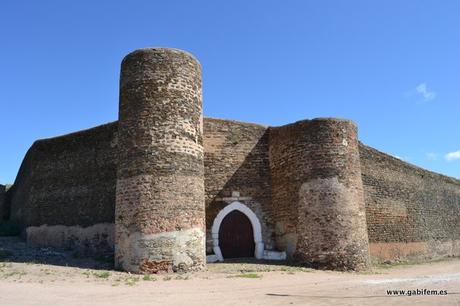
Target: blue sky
{"type": "Point", "coordinates": [391, 66]}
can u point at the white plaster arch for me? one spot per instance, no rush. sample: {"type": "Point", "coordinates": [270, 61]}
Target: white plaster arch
{"type": "Point", "coordinates": [256, 228]}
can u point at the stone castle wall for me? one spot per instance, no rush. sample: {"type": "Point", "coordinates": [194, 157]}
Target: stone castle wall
{"type": "Point", "coordinates": [235, 160]}
{"type": "Point", "coordinates": [411, 212]}
{"type": "Point", "coordinates": [3, 208]}
{"type": "Point", "coordinates": [64, 194]}
{"type": "Point", "coordinates": [149, 186]}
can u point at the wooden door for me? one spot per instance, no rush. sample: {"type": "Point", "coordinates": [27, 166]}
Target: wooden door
{"type": "Point", "coordinates": [236, 237]}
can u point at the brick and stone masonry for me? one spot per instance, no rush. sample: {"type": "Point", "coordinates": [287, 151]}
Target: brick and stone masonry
{"type": "Point", "coordinates": [138, 186]}
{"type": "Point", "coordinates": [411, 213]}
{"type": "Point", "coordinates": [64, 193]}
{"type": "Point", "coordinates": [317, 187]}
{"type": "Point", "coordinates": [160, 207]}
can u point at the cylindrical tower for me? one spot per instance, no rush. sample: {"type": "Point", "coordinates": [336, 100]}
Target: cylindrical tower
{"type": "Point", "coordinates": [332, 229]}
{"type": "Point", "coordinates": [317, 194]}
{"type": "Point", "coordinates": [160, 210]}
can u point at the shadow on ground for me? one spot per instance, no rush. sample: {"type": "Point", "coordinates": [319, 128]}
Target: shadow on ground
{"type": "Point", "coordinates": [14, 249]}
{"type": "Point", "coordinates": [252, 260]}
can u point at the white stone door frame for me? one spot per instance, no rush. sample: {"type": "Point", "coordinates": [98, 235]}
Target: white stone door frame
{"type": "Point", "coordinates": [256, 228]}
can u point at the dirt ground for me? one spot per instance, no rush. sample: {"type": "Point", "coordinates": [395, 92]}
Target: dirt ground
{"type": "Point", "coordinates": [39, 276]}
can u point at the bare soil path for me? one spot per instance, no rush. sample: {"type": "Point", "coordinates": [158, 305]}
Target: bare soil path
{"type": "Point", "coordinates": [31, 283]}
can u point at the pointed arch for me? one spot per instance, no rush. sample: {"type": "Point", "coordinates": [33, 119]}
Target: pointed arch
{"type": "Point", "coordinates": [256, 227]}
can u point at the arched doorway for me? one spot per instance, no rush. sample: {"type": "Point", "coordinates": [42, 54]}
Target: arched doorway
{"type": "Point", "coordinates": [236, 237]}
{"type": "Point", "coordinates": [256, 229]}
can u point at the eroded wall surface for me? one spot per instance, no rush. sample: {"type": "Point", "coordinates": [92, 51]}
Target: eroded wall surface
{"type": "Point", "coordinates": [64, 194]}
{"type": "Point", "coordinates": [411, 212]}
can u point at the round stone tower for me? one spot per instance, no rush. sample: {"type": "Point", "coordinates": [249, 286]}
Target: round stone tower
{"type": "Point", "coordinates": [318, 192]}
{"type": "Point", "coordinates": [160, 210]}
{"type": "Point", "coordinates": [332, 221]}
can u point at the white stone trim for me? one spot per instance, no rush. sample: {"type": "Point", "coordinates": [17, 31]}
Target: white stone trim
{"type": "Point", "coordinates": [256, 228]}
{"type": "Point", "coordinates": [274, 255]}
{"type": "Point", "coordinates": [211, 258]}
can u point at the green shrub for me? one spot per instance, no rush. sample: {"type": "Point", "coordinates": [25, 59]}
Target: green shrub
{"type": "Point", "coordinates": [104, 274]}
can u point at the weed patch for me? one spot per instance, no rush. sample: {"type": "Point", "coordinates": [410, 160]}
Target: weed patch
{"type": "Point", "coordinates": [148, 277]}
{"type": "Point", "coordinates": [103, 274]}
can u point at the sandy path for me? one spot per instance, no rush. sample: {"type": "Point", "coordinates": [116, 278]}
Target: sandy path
{"type": "Point", "coordinates": [32, 284]}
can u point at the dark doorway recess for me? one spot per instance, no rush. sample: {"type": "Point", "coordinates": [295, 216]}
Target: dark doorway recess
{"type": "Point", "coordinates": [236, 237]}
